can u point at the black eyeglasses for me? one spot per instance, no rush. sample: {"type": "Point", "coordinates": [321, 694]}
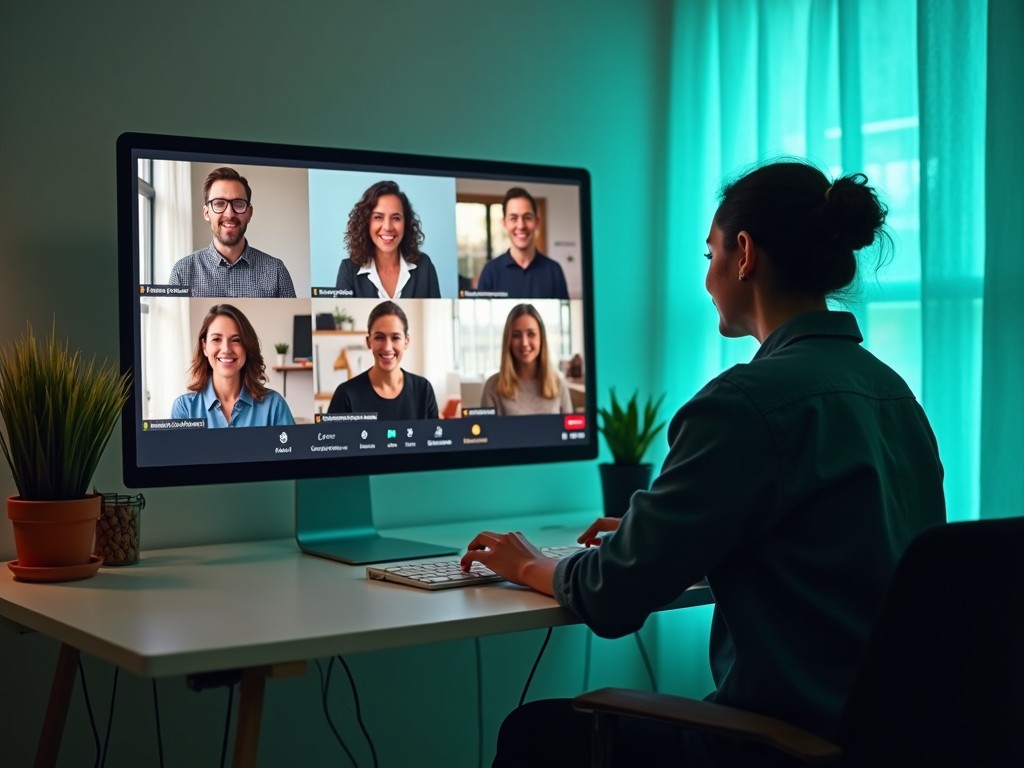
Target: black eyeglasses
{"type": "Point", "coordinates": [219, 204]}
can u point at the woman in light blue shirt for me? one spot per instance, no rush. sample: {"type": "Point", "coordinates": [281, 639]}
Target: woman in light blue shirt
{"type": "Point", "coordinates": [228, 379]}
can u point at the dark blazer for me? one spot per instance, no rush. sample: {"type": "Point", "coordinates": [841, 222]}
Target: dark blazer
{"type": "Point", "coordinates": [422, 281]}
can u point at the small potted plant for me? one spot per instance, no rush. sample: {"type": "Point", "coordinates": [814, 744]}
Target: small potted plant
{"type": "Point", "coordinates": [282, 349]}
{"type": "Point", "coordinates": [628, 430]}
{"type": "Point", "coordinates": [343, 321]}
{"type": "Point", "coordinates": [58, 413]}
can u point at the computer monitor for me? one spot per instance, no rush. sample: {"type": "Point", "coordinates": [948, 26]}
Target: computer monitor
{"type": "Point", "coordinates": [221, 269]}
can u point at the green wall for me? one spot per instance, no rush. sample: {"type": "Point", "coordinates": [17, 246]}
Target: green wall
{"type": "Point", "coordinates": [549, 82]}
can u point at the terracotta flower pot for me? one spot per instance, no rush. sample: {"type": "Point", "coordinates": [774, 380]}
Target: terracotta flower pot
{"type": "Point", "coordinates": [54, 534]}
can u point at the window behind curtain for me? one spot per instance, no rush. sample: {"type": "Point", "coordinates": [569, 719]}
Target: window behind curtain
{"type": "Point", "coordinates": [891, 88]}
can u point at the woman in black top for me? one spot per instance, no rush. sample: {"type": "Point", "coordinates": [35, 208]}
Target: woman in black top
{"type": "Point", "coordinates": [383, 240]}
{"type": "Point", "coordinates": [385, 389]}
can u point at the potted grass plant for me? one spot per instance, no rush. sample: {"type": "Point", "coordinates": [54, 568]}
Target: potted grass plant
{"type": "Point", "coordinates": [628, 430]}
{"type": "Point", "coordinates": [58, 413]}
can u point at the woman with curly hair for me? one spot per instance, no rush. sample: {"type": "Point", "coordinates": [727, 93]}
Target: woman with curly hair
{"type": "Point", "coordinates": [228, 379]}
{"type": "Point", "coordinates": [383, 241]}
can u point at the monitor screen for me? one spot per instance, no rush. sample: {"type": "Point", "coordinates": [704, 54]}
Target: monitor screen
{"type": "Point", "coordinates": [295, 312]}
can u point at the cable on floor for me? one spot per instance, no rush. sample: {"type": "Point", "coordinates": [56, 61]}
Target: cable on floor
{"type": "Point", "coordinates": [325, 684]}
{"type": "Point", "coordinates": [227, 727]}
{"type": "Point", "coordinates": [159, 735]}
{"type": "Point", "coordinates": [647, 661]}
{"type": "Point", "coordinates": [88, 708]}
{"type": "Point", "coordinates": [359, 711]}
{"type": "Point", "coordinates": [110, 719]}
{"type": "Point", "coordinates": [544, 645]}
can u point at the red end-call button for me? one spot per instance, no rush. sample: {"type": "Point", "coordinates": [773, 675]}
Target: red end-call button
{"type": "Point", "coordinates": [575, 422]}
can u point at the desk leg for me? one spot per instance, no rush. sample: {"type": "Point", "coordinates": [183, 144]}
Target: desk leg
{"type": "Point", "coordinates": [250, 712]}
{"type": "Point", "coordinates": [250, 708]}
{"type": "Point", "coordinates": [57, 708]}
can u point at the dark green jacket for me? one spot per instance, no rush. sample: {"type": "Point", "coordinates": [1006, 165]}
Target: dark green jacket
{"type": "Point", "coordinates": [793, 483]}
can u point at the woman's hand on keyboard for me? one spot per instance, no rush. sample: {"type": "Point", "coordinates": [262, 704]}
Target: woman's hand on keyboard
{"type": "Point", "coordinates": [590, 537]}
{"type": "Point", "coordinates": [512, 557]}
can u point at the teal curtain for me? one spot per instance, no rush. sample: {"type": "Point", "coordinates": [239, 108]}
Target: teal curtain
{"type": "Point", "coordinates": [951, 65]}
{"type": "Point", "coordinates": [1002, 401]}
{"type": "Point", "coordinates": [900, 90]}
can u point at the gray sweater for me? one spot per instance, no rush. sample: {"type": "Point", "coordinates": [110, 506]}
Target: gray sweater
{"type": "Point", "coordinates": [527, 399]}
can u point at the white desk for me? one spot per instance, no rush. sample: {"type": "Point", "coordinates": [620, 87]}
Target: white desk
{"type": "Point", "coordinates": [264, 607]}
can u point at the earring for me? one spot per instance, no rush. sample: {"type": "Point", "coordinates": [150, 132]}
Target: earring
{"type": "Point", "coordinates": [743, 276]}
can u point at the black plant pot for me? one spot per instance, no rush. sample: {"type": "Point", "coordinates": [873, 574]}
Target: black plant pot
{"type": "Point", "coordinates": [619, 482]}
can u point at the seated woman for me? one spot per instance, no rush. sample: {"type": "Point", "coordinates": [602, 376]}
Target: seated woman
{"type": "Point", "coordinates": [792, 483]}
{"type": "Point", "coordinates": [526, 382]}
{"type": "Point", "coordinates": [386, 389]}
{"type": "Point", "coordinates": [228, 379]}
{"type": "Point", "coordinates": [383, 241]}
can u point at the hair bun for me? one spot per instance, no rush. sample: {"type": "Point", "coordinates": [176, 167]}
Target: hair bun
{"type": "Point", "coordinates": [851, 213]}
{"type": "Point", "coordinates": [808, 228]}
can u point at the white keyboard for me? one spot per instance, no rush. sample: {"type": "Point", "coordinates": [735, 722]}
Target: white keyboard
{"type": "Point", "coordinates": [445, 574]}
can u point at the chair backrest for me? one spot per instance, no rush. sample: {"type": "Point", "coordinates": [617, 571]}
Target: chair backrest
{"type": "Point", "coordinates": [942, 681]}
{"type": "Point", "coordinates": [451, 408]}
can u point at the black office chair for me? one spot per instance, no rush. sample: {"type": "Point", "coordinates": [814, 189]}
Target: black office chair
{"type": "Point", "coordinates": [941, 682]}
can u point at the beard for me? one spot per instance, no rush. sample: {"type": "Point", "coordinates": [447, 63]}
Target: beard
{"type": "Point", "coordinates": [230, 237]}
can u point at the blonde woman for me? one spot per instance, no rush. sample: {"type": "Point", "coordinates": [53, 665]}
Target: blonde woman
{"type": "Point", "coordinates": [526, 382]}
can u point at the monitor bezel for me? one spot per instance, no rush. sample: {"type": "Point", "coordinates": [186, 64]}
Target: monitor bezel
{"type": "Point", "coordinates": [131, 145]}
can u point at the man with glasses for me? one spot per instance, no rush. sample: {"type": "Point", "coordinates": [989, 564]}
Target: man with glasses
{"type": "Point", "coordinates": [229, 266]}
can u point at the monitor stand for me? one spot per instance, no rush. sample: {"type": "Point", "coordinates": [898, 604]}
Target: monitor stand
{"type": "Point", "coordinates": [334, 519]}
